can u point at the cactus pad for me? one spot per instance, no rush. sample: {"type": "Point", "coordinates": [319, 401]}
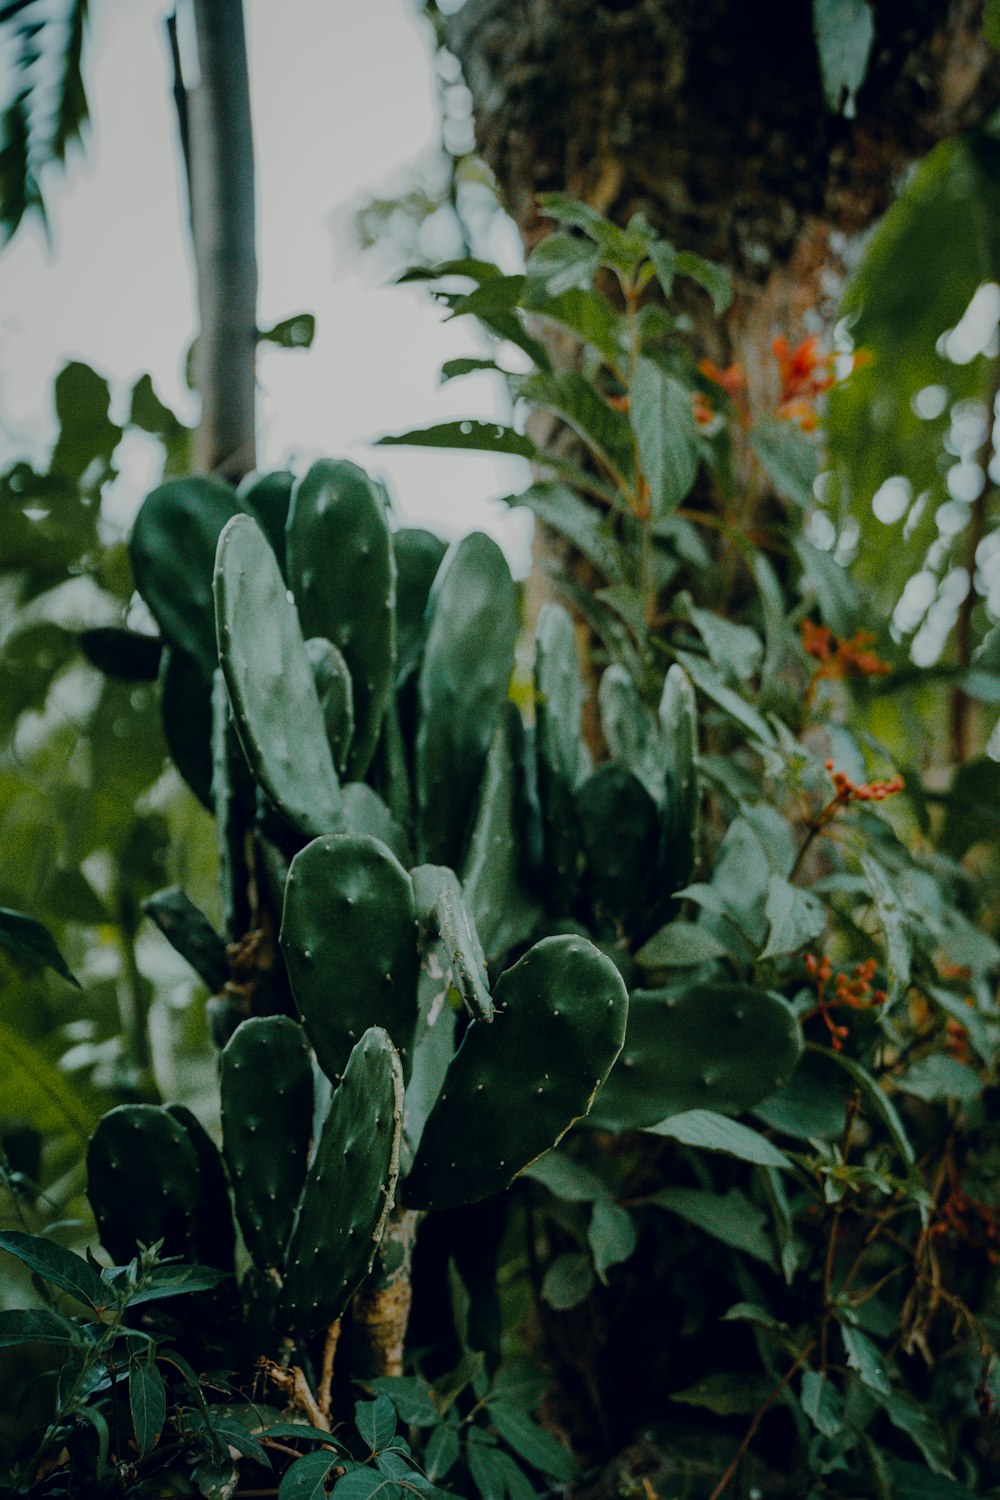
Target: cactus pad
{"type": "Point", "coordinates": [143, 1182]}
{"type": "Point", "coordinates": [558, 708]}
{"type": "Point", "coordinates": [336, 696]}
{"type": "Point", "coordinates": [349, 1188]}
{"type": "Point", "coordinates": [503, 912]}
{"type": "Point", "coordinates": [719, 1047]}
{"type": "Point", "coordinates": [270, 683]}
{"type": "Point", "coordinates": [514, 1088]}
{"type": "Point", "coordinates": [349, 936]}
{"type": "Point", "coordinates": [267, 1106]}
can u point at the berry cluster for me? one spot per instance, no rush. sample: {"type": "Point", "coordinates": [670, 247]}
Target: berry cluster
{"type": "Point", "coordinates": [969, 1221]}
{"type": "Point", "coordinates": [846, 790]}
{"type": "Point", "coordinates": [853, 990]}
{"type": "Point", "coordinates": [840, 659]}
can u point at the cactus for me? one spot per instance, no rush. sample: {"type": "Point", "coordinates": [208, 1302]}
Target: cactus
{"type": "Point", "coordinates": [442, 915]}
{"type": "Point", "coordinates": [267, 1107]}
{"type": "Point", "coordinates": [633, 734]}
{"type": "Point", "coordinates": [419, 555]}
{"type": "Point", "coordinates": [514, 1088]}
{"type": "Point", "coordinates": [144, 1182]}
{"type": "Point", "coordinates": [558, 709]}
{"type": "Point", "coordinates": [228, 778]}
{"type": "Point", "coordinates": [365, 812]}
{"type": "Point", "coordinates": [349, 937]}
{"type": "Point", "coordinates": [186, 713]}
{"type": "Point", "coordinates": [619, 831]}
{"type": "Point", "coordinates": [343, 575]}
{"type": "Point", "coordinates": [720, 1047]}
{"type": "Point", "coordinates": [349, 1187]}
{"type": "Point", "coordinates": [432, 1049]}
{"type": "Point", "coordinates": [215, 1222]}
{"type": "Point", "coordinates": [270, 684]}
{"type": "Point", "coordinates": [679, 721]}
{"type": "Point", "coordinates": [503, 912]}
{"type": "Point", "coordinates": [172, 548]}
{"type": "Point", "coordinates": [467, 662]}
{"type": "Point", "coordinates": [336, 696]}
{"type": "Point", "coordinates": [266, 497]}
{"type": "Point", "coordinates": [190, 932]}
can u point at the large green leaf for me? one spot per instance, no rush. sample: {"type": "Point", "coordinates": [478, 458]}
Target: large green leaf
{"type": "Point", "coordinates": [29, 942]}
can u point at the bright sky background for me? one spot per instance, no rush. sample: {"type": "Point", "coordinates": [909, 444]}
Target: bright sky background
{"type": "Point", "coordinates": [343, 100]}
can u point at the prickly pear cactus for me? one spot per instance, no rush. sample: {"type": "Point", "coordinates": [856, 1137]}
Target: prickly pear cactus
{"type": "Point", "coordinates": [720, 1047]}
{"type": "Point", "coordinates": [467, 662]}
{"type": "Point", "coordinates": [270, 682]}
{"type": "Point", "coordinates": [267, 1108]}
{"type": "Point", "coordinates": [342, 572]}
{"type": "Point", "coordinates": [349, 1189]}
{"type": "Point", "coordinates": [558, 710]}
{"type": "Point", "coordinates": [336, 696]}
{"type": "Point", "coordinates": [349, 937]}
{"type": "Point", "coordinates": [515, 1087]}
{"type": "Point", "coordinates": [498, 901]}
{"type": "Point", "coordinates": [144, 1182]}
{"type": "Point", "coordinates": [442, 915]}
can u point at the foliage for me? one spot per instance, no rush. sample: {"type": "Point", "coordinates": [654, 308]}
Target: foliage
{"type": "Point", "coordinates": [778, 1205]}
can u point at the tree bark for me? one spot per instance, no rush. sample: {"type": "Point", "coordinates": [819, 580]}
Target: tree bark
{"type": "Point", "coordinates": [221, 182]}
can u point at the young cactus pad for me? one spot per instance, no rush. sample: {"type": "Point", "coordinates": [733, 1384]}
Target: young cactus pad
{"type": "Point", "coordinates": [216, 1239]}
{"type": "Point", "coordinates": [349, 1188]}
{"type": "Point", "coordinates": [143, 1182]}
{"type": "Point", "coordinates": [336, 696]}
{"type": "Point", "coordinates": [270, 682]}
{"type": "Point", "coordinates": [464, 675]}
{"type": "Point", "coordinates": [267, 1106]}
{"type": "Point", "coordinates": [721, 1047]}
{"type": "Point", "coordinates": [349, 936]}
{"type": "Point", "coordinates": [515, 1087]}
{"type": "Point", "coordinates": [342, 572]}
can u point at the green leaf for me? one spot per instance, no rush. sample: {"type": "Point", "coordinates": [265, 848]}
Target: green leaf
{"type": "Point", "coordinates": [485, 1466]}
{"type": "Point", "coordinates": [921, 1427]}
{"type": "Point", "coordinates": [735, 650]}
{"type": "Point", "coordinates": [482, 437]}
{"type": "Point", "coordinates": [662, 419]}
{"type": "Point", "coordinates": [707, 681]}
{"type": "Point", "coordinates": [680, 945]}
{"type": "Point", "coordinates": [844, 31]}
{"type": "Point", "coordinates": [664, 259]}
{"type": "Point", "coordinates": [452, 369]}
{"type": "Point", "coordinates": [376, 1421]}
{"type": "Point", "coordinates": [937, 1077]}
{"type": "Point", "coordinates": [731, 1218]}
{"type": "Point", "coordinates": [571, 397]}
{"type": "Point", "coordinates": [881, 1106]}
{"type": "Point", "coordinates": [148, 1402]}
{"type": "Point", "coordinates": [582, 524]}
{"type": "Point", "coordinates": [715, 279]}
{"type": "Point", "coordinates": [585, 313]}
{"type": "Point", "coordinates": [822, 1403]}
{"type": "Point", "coordinates": [532, 1443]}
{"type": "Point", "coordinates": [360, 1484]}
{"type": "Point", "coordinates": [788, 458]}
{"type": "Point", "coordinates": [832, 585]}
{"type": "Point", "coordinates": [619, 249]}
{"type": "Point", "coordinates": [567, 1179]}
{"type": "Point", "coordinates": [892, 915]}
{"type": "Point", "coordinates": [727, 1395]}
{"type": "Point", "coordinates": [991, 23]}
{"type": "Point", "coordinates": [296, 332]}
{"type": "Point", "coordinates": [442, 1452]}
{"type": "Point", "coordinates": [711, 1132]}
{"type": "Point", "coordinates": [59, 1267]}
{"type": "Point", "coordinates": [306, 1479]}
{"type": "Point", "coordinates": [411, 1397]}
{"type": "Point", "coordinates": [915, 1483]}
{"type": "Point", "coordinates": [32, 1088]}
{"type": "Point", "coordinates": [795, 917]}
{"type": "Point", "coordinates": [568, 1281]}
{"type": "Point", "coordinates": [561, 261]}
{"type": "Point", "coordinates": [611, 1236]}
{"type": "Point", "coordinates": [31, 943]}
{"type": "Point", "coordinates": [176, 1281]}
{"type": "Point", "coordinates": [35, 1325]}
{"type": "Point", "coordinates": [865, 1357]}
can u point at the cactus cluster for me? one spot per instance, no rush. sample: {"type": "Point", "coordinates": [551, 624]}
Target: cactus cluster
{"type": "Point", "coordinates": [461, 894]}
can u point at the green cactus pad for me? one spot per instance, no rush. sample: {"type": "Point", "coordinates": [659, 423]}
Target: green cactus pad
{"type": "Point", "coordinates": [389, 772]}
{"type": "Point", "coordinates": [343, 575]}
{"type": "Point", "coordinates": [503, 912]}
{"type": "Point", "coordinates": [442, 914]}
{"type": "Point", "coordinates": [419, 555]}
{"type": "Point", "coordinates": [433, 1048]}
{"type": "Point", "coordinates": [365, 812]}
{"type": "Point", "coordinates": [464, 675]}
{"type": "Point", "coordinates": [558, 708]}
{"type": "Point", "coordinates": [270, 682]}
{"type": "Point", "coordinates": [349, 937]}
{"type": "Point", "coordinates": [336, 696]}
{"type": "Point", "coordinates": [186, 712]}
{"type": "Point", "coordinates": [172, 548]}
{"type": "Point", "coordinates": [190, 932]}
{"type": "Point", "coordinates": [230, 784]}
{"type": "Point", "coordinates": [214, 1228]}
{"type": "Point", "coordinates": [267, 1106]}
{"type": "Point", "coordinates": [143, 1182]}
{"type": "Point", "coordinates": [719, 1047]}
{"type": "Point", "coordinates": [514, 1088]}
{"type": "Point", "coordinates": [267, 498]}
{"type": "Point", "coordinates": [633, 733]}
{"type": "Point", "coordinates": [619, 830]}
{"type": "Point", "coordinates": [349, 1188]}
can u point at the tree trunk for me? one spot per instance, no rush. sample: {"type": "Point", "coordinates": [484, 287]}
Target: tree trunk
{"type": "Point", "coordinates": [220, 165]}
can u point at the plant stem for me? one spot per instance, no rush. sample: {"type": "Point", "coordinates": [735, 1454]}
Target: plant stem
{"type": "Point", "coordinates": [758, 1417]}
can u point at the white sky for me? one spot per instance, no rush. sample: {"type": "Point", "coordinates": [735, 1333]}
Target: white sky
{"type": "Point", "coordinates": [343, 99]}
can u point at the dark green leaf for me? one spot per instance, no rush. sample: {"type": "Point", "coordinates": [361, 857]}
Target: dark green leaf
{"type": "Point", "coordinates": [306, 1479]}
{"type": "Point", "coordinates": [714, 278]}
{"type": "Point", "coordinates": [662, 418]}
{"type": "Point", "coordinates": [731, 1217]}
{"type": "Point", "coordinates": [727, 1395]}
{"type": "Point", "coordinates": [483, 437]}
{"type": "Point", "coordinates": [568, 1281]}
{"type": "Point", "coordinates": [795, 917]}
{"type": "Point", "coordinates": [35, 1325]}
{"type": "Point", "coordinates": [892, 915]}
{"type": "Point", "coordinates": [296, 332]}
{"type": "Point", "coordinates": [789, 458]}
{"type": "Point", "coordinates": [411, 1397]}
{"type": "Point", "coordinates": [148, 1401]}
{"type": "Point", "coordinates": [59, 1267]}
{"type": "Point", "coordinates": [376, 1421]}
{"type": "Point", "coordinates": [611, 1235]}
{"type": "Point", "coordinates": [31, 943]}
{"type": "Point", "coordinates": [532, 1443]}
{"type": "Point", "coordinates": [844, 30]}
{"type": "Point", "coordinates": [711, 1132]}
{"type": "Point", "coordinates": [680, 945]}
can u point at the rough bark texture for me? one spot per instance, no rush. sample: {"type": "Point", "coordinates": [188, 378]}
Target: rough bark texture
{"type": "Point", "coordinates": [223, 223]}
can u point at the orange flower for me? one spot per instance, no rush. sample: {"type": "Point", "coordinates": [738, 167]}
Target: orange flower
{"type": "Point", "coordinates": [854, 991]}
{"type": "Point", "coordinates": [845, 790]}
{"type": "Point", "coordinates": [840, 659]}
{"type": "Point", "coordinates": [732, 379]}
{"type": "Point", "coordinates": [703, 412]}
